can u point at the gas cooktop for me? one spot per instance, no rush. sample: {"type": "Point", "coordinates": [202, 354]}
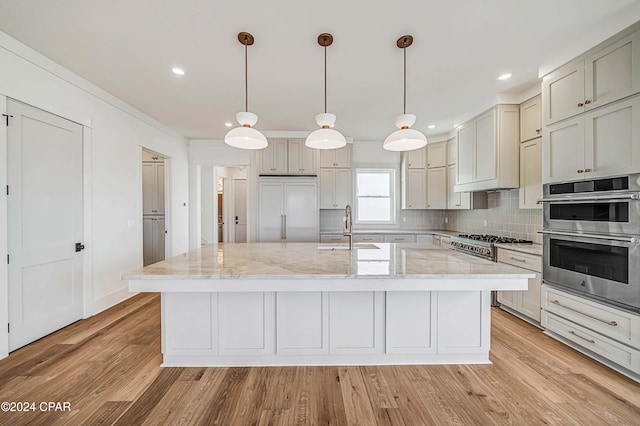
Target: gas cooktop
{"type": "Point", "coordinates": [493, 239]}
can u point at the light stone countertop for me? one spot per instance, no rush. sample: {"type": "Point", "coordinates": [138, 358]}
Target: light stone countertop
{"type": "Point", "coordinates": [535, 249]}
{"type": "Point", "coordinates": [296, 261]}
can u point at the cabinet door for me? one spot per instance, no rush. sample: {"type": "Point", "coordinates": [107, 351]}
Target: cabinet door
{"type": "Point", "coordinates": [280, 156]}
{"type": "Point", "coordinates": [563, 151]}
{"type": "Point", "coordinates": [531, 119]}
{"type": "Point", "coordinates": [148, 238]}
{"type": "Point", "coordinates": [452, 151]}
{"type": "Point", "coordinates": [453, 198]}
{"type": "Point", "coordinates": [485, 149]}
{"type": "Point", "coordinates": [294, 157]}
{"type": "Point", "coordinates": [509, 299]}
{"type": "Point", "coordinates": [307, 159]}
{"type": "Point", "coordinates": [416, 189]}
{"type": "Point", "coordinates": [343, 188]}
{"type": "Point", "coordinates": [612, 139]}
{"type": "Point", "coordinates": [266, 164]}
{"type": "Point", "coordinates": [416, 159]}
{"type": "Point", "coordinates": [327, 188]}
{"type": "Point", "coordinates": [437, 188]}
{"type": "Point", "coordinates": [530, 299]}
{"type": "Point", "coordinates": [159, 239]}
{"type": "Point", "coordinates": [531, 174]}
{"type": "Point", "coordinates": [328, 158]}
{"type": "Point", "coordinates": [270, 212]}
{"type": "Point", "coordinates": [149, 188]}
{"type": "Point", "coordinates": [343, 157]}
{"type": "Point", "coordinates": [563, 92]}
{"type": "Point", "coordinates": [613, 73]}
{"type": "Point", "coordinates": [437, 155]}
{"type": "Point", "coordinates": [159, 189]}
{"type": "Point", "coordinates": [466, 145]}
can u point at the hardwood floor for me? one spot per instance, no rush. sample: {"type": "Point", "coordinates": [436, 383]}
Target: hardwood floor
{"type": "Point", "coordinates": [107, 368]}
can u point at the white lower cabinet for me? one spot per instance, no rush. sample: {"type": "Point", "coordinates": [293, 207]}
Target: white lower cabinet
{"type": "Point", "coordinates": [356, 322]}
{"type": "Point", "coordinates": [399, 238]}
{"type": "Point", "coordinates": [245, 323]}
{"type": "Point", "coordinates": [526, 302]}
{"type": "Point", "coordinates": [302, 323]}
{"type": "Point", "coordinates": [334, 238]}
{"type": "Point", "coordinates": [368, 238]}
{"type": "Point", "coordinates": [410, 322]}
{"type": "Point", "coordinates": [610, 333]}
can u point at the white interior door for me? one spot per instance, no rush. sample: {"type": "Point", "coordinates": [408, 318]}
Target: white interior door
{"type": "Point", "coordinates": [240, 201]}
{"type": "Point", "coordinates": [45, 223]}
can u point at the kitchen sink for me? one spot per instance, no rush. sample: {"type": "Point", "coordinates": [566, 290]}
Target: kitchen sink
{"type": "Point", "coordinates": [346, 246]}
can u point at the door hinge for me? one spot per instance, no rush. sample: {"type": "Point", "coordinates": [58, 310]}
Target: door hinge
{"type": "Point", "coordinates": [6, 117]}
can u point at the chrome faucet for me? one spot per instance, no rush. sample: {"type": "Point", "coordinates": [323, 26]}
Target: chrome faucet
{"type": "Point", "coordinates": [348, 225]}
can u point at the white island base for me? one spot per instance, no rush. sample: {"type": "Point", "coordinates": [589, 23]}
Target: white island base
{"type": "Point", "coordinates": [301, 304]}
{"type": "Point", "coordinates": [325, 328]}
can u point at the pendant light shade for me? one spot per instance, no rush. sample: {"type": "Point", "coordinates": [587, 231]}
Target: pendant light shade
{"type": "Point", "coordinates": [325, 137]}
{"type": "Point", "coordinates": [405, 139]}
{"type": "Point", "coordinates": [245, 137]}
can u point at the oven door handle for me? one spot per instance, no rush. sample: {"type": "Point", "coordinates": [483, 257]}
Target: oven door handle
{"type": "Point", "coordinates": [578, 198]}
{"type": "Point", "coordinates": [631, 240]}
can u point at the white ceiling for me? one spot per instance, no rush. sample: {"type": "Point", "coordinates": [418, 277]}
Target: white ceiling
{"type": "Point", "coordinates": [129, 47]}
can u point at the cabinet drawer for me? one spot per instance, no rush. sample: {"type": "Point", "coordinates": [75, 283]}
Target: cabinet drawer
{"type": "Point", "coordinates": [622, 355]}
{"type": "Point", "coordinates": [445, 242]}
{"type": "Point", "coordinates": [399, 239]}
{"type": "Point", "coordinates": [334, 238]}
{"type": "Point", "coordinates": [368, 238]}
{"type": "Point", "coordinates": [523, 260]}
{"type": "Point", "coordinates": [616, 324]}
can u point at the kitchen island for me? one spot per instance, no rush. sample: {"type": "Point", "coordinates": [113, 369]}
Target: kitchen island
{"type": "Point", "coordinates": [317, 304]}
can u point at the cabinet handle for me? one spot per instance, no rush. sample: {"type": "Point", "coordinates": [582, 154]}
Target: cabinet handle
{"type": "Point", "coordinates": [583, 338]}
{"type": "Point", "coordinates": [538, 131]}
{"type": "Point", "coordinates": [587, 170]}
{"type": "Point", "coordinates": [611, 323]}
{"type": "Point", "coordinates": [519, 260]}
{"type": "Point", "coordinates": [458, 205]}
{"type": "Point", "coordinates": [580, 171]}
{"type": "Point", "coordinates": [587, 102]}
{"type": "Point", "coordinates": [580, 104]}
{"type": "Point", "coordinates": [539, 201]}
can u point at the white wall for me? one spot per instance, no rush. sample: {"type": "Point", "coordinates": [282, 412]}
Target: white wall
{"type": "Point", "coordinates": [210, 153]}
{"type": "Point", "coordinates": [114, 136]}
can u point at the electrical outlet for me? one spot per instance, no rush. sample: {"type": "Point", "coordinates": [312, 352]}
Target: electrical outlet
{"type": "Point", "coordinates": [484, 223]}
{"type": "Point", "coordinates": [131, 223]}
{"type": "Point", "coordinates": [404, 220]}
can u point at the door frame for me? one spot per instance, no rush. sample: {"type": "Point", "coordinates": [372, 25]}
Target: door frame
{"type": "Point", "coordinates": [87, 263]}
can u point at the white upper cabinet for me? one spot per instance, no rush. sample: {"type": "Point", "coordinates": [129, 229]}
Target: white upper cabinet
{"type": "Point", "coordinates": [488, 151]}
{"type": "Point", "coordinates": [273, 158]}
{"type": "Point", "coordinates": [284, 157]}
{"type": "Point", "coordinates": [301, 159]}
{"type": "Point", "coordinates": [437, 155]}
{"type": "Point", "coordinates": [531, 174]}
{"type": "Point", "coordinates": [437, 188]}
{"type": "Point", "coordinates": [416, 159]}
{"type": "Point", "coordinates": [335, 188]}
{"type": "Point", "coordinates": [531, 119]}
{"type": "Point", "coordinates": [336, 158]}
{"type": "Point", "coordinates": [609, 74]}
{"type": "Point", "coordinates": [415, 191]}
{"type": "Point", "coordinates": [452, 151]}
{"type": "Point", "coordinates": [602, 142]}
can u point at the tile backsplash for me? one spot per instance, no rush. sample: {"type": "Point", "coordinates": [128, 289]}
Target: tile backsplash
{"type": "Point", "coordinates": [503, 217]}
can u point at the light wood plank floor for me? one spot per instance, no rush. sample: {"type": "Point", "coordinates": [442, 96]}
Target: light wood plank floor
{"type": "Point", "coordinates": [107, 367]}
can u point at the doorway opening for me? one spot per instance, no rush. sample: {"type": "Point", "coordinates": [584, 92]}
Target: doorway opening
{"type": "Point", "coordinates": [153, 207]}
{"type": "Point", "coordinates": [223, 202]}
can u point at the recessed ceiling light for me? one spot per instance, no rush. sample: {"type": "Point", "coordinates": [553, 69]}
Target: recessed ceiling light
{"type": "Point", "coordinates": [177, 71]}
{"type": "Point", "coordinates": [504, 76]}
{"type": "Point", "coordinates": [228, 124]}
{"type": "Point", "coordinates": [431, 126]}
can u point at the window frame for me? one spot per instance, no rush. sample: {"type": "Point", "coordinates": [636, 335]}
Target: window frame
{"type": "Point", "coordinates": [392, 173]}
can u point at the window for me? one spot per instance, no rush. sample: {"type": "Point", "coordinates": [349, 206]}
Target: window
{"type": "Point", "coordinates": [374, 196]}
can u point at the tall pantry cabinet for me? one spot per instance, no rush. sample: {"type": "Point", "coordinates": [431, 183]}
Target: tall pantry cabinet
{"type": "Point", "coordinates": [153, 224]}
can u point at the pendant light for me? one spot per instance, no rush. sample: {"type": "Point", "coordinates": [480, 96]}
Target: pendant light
{"type": "Point", "coordinates": [246, 137]}
{"type": "Point", "coordinates": [325, 137]}
{"type": "Point", "coordinates": [405, 139]}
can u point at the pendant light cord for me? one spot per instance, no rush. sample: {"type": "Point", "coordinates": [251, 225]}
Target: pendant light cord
{"type": "Point", "coordinates": [404, 50]}
{"type": "Point", "coordinates": [246, 78]}
{"type": "Point", "coordinates": [325, 77]}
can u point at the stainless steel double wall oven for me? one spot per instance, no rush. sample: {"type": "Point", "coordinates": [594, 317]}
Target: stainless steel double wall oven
{"type": "Point", "coordinates": [591, 238]}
